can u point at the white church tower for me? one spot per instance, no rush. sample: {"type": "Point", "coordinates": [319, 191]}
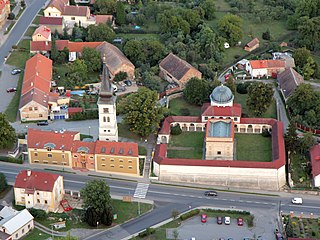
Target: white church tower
{"type": "Point", "coordinates": [108, 129]}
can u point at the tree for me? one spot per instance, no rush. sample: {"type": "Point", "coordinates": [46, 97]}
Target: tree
{"type": "Point", "coordinates": [175, 234]}
{"type": "Point", "coordinates": [301, 56]}
{"type": "Point", "coordinates": [230, 27]}
{"type": "Point", "coordinates": [97, 202]}
{"type": "Point", "coordinates": [120, 14]}
{"type": "Point", "coordinates": [77, 74]}
{"type": "Point", "coordinates": [142, 111]}
{"type": "Point", "coordinates": [23, 3]}
{"type": "Point", "coordinates": [196, 91]}
{"type": "Point", "coordinates": [100, 33]}
{"type": "Point", "coordinates": [230, 83]}
{"type": "Point", "coordinates": [7, 133]}
{"type": "Point", "coordinates": [266, 35]}
{"type": "Point", "coordinates": [209, 8]}
{"type": "Point", "coordinates": [306, 142]}
{"type": "Point", "coordinates": [92, 59]}
{"type": "Point", "coordinates": [175, 213]}
{"type": "Point", "coordinates": [152, 82]}
{"type": "Point", "coordinates": [54, 54]}
{"type": "Point", "coordinates": [291, 137]}
{"type": "Point", "coordinates": [11, 16]}
{"type": "Point", "coordinates": [105, 6]}
{"type": "Point", "coordinates": [120, 76]}
{"type": "Point", "coordinates": [259, 98]}
{"type": "Point", "coordinates": [133, 49]}
{"type": "Point", "coordinates": [308, 33]}
{"type": "Point", "coordinates": [309, 68]}
{"type": "Point", "coordinates": [3, 182]}
{"type": "Point", "coordinates": [289, 228]}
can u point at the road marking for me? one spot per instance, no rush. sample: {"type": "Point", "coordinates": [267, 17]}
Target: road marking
{"type": "Point", "coordinates": [141, 190]}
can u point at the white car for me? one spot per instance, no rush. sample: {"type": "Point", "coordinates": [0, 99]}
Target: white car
{"type": "Point", "coordinates": [296, 200]}
{"type": "Point", "coordinates": [227, 221]}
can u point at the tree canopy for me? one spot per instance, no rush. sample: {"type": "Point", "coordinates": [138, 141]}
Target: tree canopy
{"type": "Point", "coordinates": [105, 6]}
{"type": "Point", "coordinates": [209, 8]}
{"type": "Point", "coordinates": [78, 74]}
{"type": "Point", "coordinates": [197, 91]}
{"type": "Point", "coordinates": [142, 111]}
{"type": "Point", "coordinates": [259, 98]}
{"type": "Point", "coordinates": [230, 28]}
{"type": "Point", "coordinates": [7, 133]}
{"type": "Point", "coordinates": [3, 182]}
{"type": "Point", "coordinates": [100, 33]}
{"type": "Point", "coordinates": [92, 59]}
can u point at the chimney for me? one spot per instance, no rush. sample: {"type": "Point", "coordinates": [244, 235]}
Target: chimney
{"type": "Point", "coordinates": [28, 173]}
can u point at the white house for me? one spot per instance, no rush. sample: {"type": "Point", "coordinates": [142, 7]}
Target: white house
{"type": "Point", "coordinates": [15, 223]}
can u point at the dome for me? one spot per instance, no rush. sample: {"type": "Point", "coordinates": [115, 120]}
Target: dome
{"type": "Point", "coordinates": [221, 95]}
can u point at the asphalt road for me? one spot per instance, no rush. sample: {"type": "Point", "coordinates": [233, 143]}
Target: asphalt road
{"type": "Point", "coordinates": [168, 198]}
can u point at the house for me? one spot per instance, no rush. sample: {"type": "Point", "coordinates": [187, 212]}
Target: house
{"type": "Point", "coordinates": [54, 23]}
{"type": "Point", "coordinates": [289, 80]}
{"type": "Point", "coordinates": [175, 70]}
{"type": "Point", "coordinates": [108, 19]}
{"type": "Point", "coordinates": [40, 190]}
{"type": "Point", "coordinates": [83, 154]}
{"type": "Point", "coordinates": [266, 68]}
{"type": "Point", "coordinates": [315, 163]}
{"type": "Point", "coordinates": [35, 89]}
{"type": "Point", "coordinates": [55, 8]}
{"type": "Point", "coordinates": [14, 224]}
{"type": "Point", "coordinates": [4, 11]}
{"type": "Point", "coordinates": [252, 45]}
{"type": "Point", "coordinates": [42, 33]}
{"type": "Point", "coordinates": [285, 56]}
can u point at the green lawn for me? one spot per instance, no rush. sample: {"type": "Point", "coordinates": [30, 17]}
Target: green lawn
{"type": "Point", "coordinates": [189, 140]}
{"type": "Point", "coordinates": [179, 107]}
{"type": "Point", "coordinates": [30, 31]}
{"type": "Point", "coordinates": [24, 45]}
{"type": "Point", "coordinates": [148, 36]}
{"type": "Point", "coordinates": [253, 147]}
{"type": "Point", "coordinates": [19, 13]}
{"type": "Point", "coordinates": [18, 58]}
{"type": "Point", "coordinates": [142, 150]}
{"type": "Point", "coordinates": [298, 170]}
{"type": "Point", "coordinates": [124, 131]}
{"type": "Point", "coordinates": [13, 107]}
{"type": "Point", "coordinates": [36, 20]}
{"type": "Point", "coordinates": [36, 234]}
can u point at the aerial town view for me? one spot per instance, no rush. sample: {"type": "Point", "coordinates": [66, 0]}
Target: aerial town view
{"type": "Point", "coordinates": [156, 120]}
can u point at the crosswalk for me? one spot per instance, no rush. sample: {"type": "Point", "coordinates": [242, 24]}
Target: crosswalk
{"type": "Point", "coordinates": [141, 190]}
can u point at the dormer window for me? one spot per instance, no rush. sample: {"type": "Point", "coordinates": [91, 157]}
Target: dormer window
{"type": "Point", "coordinates": [49, 149]}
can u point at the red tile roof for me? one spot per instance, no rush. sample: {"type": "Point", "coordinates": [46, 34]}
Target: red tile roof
{"type": "Point", "coordinates": [38, 65]}
{"type": "Point", "coordinates": [81, 11]}
{"type": "Point", "coordinates": [43, 30]}
{"type": "Point", "coordinates": [315, 160]}
{"type": "Point", "coordinates": [59, 4]}
{"type": "Point", "coordinates": [72, 110]}
{"type": "Point", "coordinates": [278, 151]}
{"type": "Point", "coordinates": [117, 148]}
{"type": "Point", "coordinates": [80, 145]}
{"type": "Point", "coordinates": [234, 111]}
{"type": "Point", "coordinates": [253, 43]}
{"type": "Point", "coordinates": [36, 82]}
{"type": "Point", "coordinates": [165, 129]}
{"type": "Point", "coordinates": [258, 64]}
{"type": "Point", "coordinates": [40, 46]}
{"type": "Point", "coordinates": [79, 46]}
{"type": "Point", "coordinates": [50, 21]}
{"type": "Point", "coordinates": [41, 139]}
{"type": "Point", "coordinates": [3, 3]}
{"type": "Point", "coordinates": [37, 181]}
{"type": "Point", "coordinates": [103, 19]}
{"type": "Point", "coordinates": [35, 95]}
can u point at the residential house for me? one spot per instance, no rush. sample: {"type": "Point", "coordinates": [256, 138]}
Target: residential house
{"type": "Point", "coordinates": [117, 157]}
{"type": "Point", "coordinates": [55, 8]}
{"type": "Point", "coordinates": [109, 19]}
{"type": "Point", "coordinates": [42, 33]}
{"type": "Point", "coordinates": [289, 80]}
{"type": "Point", "coordinates": [40, 190]}
{"type": "Point", "coordinates": [266, 68]}
{"type": "Point", "coordinates": [285, 56]}
{"type": "Point", "coordinates": [51, 147]}
{"type": "Point", "coordinates": [54, 23]}
{"type": "Point", "coordinates": [35, 89]}
{"type": "Point", "coordinates": [175, 70]}
{"type": "Point", "coordinates": [14, 224]}
{"type": "Point", "coordinates": [252, 45]}
{"type": "Point", "coordinates": [315, 163]}
{"type": "Point", "coordinates": [4, 11]}
{"type": "Point", "coordinates": [83, 155]}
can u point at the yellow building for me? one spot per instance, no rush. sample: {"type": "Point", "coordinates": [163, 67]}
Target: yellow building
{"type": "Point", "coordinates": [39, 190]}
{"type": "Point", "coordinates": [4, 11]}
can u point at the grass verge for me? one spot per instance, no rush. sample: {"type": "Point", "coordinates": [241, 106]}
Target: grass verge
{"type": "Point", "coordinates": [56, 170]}
{"type": "Point", "coordinates": [10, 27]}
{"type": "Point", "coordinates": [13, 106]}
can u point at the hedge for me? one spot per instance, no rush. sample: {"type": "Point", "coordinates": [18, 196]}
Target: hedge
{"type": "Point", "coordinates": [11, 159]}
{"type": "Point", "coordinates": [147, 232]}
{"type": "Point", "coordinates": [189, 214]}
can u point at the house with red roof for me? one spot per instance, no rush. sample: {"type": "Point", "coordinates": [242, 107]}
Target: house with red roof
{"type": "Point", "coordinates": [42, 33]}
{"type": "Point", "coordinates": [4, 11]}
{"type": "Point", "coordinates": [252, 45]}
{"type": "Point", "coordinates": [315, 163]}
{"type": "Point", "coordinates": [220, 120]}
{"type": "Point", "coordinates": [40, 190]}
{"type": "Point", "coordinates": [266, 68]}
{"type": "Point", "coordinates": [54, 23]}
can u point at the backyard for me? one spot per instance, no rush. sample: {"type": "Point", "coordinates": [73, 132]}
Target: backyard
{"type": "Point", "coordinates": [179, 107]}
{"type": "Point", "coordinates": [253, 147]}
{"type": "Point", "coordinates": [186, 145]}
{"type": "Point", "coordinates": [304, 227]}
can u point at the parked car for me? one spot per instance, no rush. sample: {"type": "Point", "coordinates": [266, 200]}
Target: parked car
{"type": "Point", "coordinates": [211, 193]}
{"type": "Point", "coordinates": [203, 218]}
{"type": "Point", "coordinates": [227, 220]}
{"type": "Point", "coordinates": [128, 82]}
{"type": "Point", "coordinates": [240, 222]}
{"type": "Point", "coordinates": [296, 200]}
{"type": "Point", "coordinates": [219, 220]}
{"type": "Point", "coordinates": [15, 71]}
{"type": "Point", "coordinates": [42, 123]}
{"type": "Point", "coordinates": [11, 90]}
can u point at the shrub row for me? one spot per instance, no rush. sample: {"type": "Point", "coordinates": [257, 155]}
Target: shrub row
{"type": "Point", "coordinates": [147, 232]}
{"type": "Point", "coordinates": [189, 214]}
{"type": "Point", "coordinates": [84, 116]}
{"type": "Point", "coordinates": [11, 159]}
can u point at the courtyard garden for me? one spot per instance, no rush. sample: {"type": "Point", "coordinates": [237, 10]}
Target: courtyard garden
{"type": "Point", "coordinates": [302, 227]}
{"type": "Point", "coordinates": [253, 147]}
{"type": "Point", "coordinates": [186, 145]}
{"type": "Point", "coordinates": [179, 107]}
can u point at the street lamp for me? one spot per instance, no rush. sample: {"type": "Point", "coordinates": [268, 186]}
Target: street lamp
{"type": "Point", "coordinates": [89, 130]}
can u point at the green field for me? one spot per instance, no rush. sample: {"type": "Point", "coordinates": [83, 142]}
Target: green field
{"type": "Point", "coordinates": [253, 147]}
{"type": "Point", "coordinates": [179, 107]}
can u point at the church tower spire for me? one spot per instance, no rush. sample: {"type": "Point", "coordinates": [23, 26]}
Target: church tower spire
{"type": "Point", "coordinates": [108, 129]}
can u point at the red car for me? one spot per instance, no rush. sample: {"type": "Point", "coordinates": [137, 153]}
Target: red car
{"type": "Point", "coordinates": [11, 90]}
{"type": "Point", "coordinates": [240, 222]}
{"type": "Point", "coordinates": [219, 220]}
{"type": "Point", "coordinates": [203, 218]}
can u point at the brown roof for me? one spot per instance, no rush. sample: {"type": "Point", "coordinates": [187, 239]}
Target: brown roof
{"type": "Point", "coordinates": [43, 30]}
{"type": "Point", "coordinates": [37, 181]}
{"type": "Point", "coordinates": [253, 43]}
{"type": "Point", "coordinates": [76, 11]}
{"type": "Point", "coordinates": [88, 147]}
{"type": "Point", "coordinates": [175, 66]}
{"type": "Point", "coordinates": [59, 4]}
{"type": "Point", "coordinates": [129, 149]}
{"type": "Point", "coordinates": [50, 21]}
{"type": "Point", "coordinates": [114, 57]}
{"type": "Point", "coordinates": [104, 18]}
{"type": "Point", "coordinates": [234, 111]}
{"type": "Point", "coordinates": [289, 80]}
{"type": "Point", "coordinates": [35, 95]}
{"type": "Point", "coordinates": [54, 139]}
{"type": "Point", "coordinates": [40, 46]}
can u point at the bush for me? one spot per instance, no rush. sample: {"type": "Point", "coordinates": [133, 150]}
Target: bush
{"type": "Point", "coordinates": [11, 159]}
{"type": "Point", "coordinates": [11, 16]}
{"type": "Point", "coordinates": [242, 88]}
{"type": "Point", "coordinates": [147, 232]}
{"type": "Point", "coordinates": [84, 115]}
{"type": "Point", "coordinates": [189, 214]}
{"type": "Point", "coordinates": [176, 130]}
{"type": "Point", "coordinates": [38, 214]}
{"type": "Point", "coordinates": [266, 133]}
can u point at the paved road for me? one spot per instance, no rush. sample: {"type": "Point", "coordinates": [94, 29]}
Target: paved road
{"type": "Point", "coordinates": [168, 198]}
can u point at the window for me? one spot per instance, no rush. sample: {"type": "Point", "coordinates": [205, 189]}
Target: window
{"type": "Point", "coordinates": [111, 165]}
{"type": "Point", "coordinates": [130, 167]}
{"type": "Point", "coordinates": [91, 157]}
{"type": "Point", "coordinates": [36, 161]}
{"type": "Point", "coordinates": [235, 119]}
{"type": "Point", "coordinates": [129, 161]}
{"type": "Point", "coordinates": [105, 110]}
{"type": "Point", "coordinates": [22, 199]}
{"type": "Point", "coordinates": [49, 149]}
{"type": "Point", "coordinates": [75, 156]}
{"type": "Point", "coordinates": [45, 201]}
{"type": "Point", "coordinates": [30, 108]}
{"type": "Point", "coordinates": [22, 231]}
{"type": "Point", "coordinates": [111, 160]}
{"type": "Point", "coordinates": [38, 200]}
{"type": "Point", "coordinates": [105, 130]}
{"type": "Point", "coordinates": [28, 226]}
{"type": "Point", "coordinates": [49, 155]}
{"type": "Point", "coordinates": [219, 152]}
{"type": "Point", "coordinates": [35, 154]}
{"type": "Point", "coordinates": [120, 160]}
{"type": "Point", "coordinates": [205, 118]}
{"type": "Point", "coordinates": [17, 235]}
{"type": "Point", "coordinates": [63, 156]}
{"type": "Point", "coordinates": [45, 161]}
{"type": "Point", "coordinates": [40, 115]}
{"type": "Point", "coordinates": [54, 162]}
{"type": "Point", "coordinates": [121, 166]}
{"type": "Point", "coordinates": [104, 119]}
{"type": "Point", "coordinates": [73, 18]}
{"type": "Point", "coordinates": [35, 108]}
{"type": "Point", "coordinates": [28, 202]}
{"type": "Point", "coordinates": [108, 130]}
{"type": "Point", "coordinates": [108, 119]}
{"type": "Point", "coordinates": [38, 193]}
{"type": "Point", "coordinates": [103, 159]}
{"type": "Point", "coordinates": [103, 165]}
{"type": "Point", "coordinates": [49, 14]}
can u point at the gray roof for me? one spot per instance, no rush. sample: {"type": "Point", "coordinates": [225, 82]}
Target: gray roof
{"type": "Point", "coordinates": [220, 129]}
{"type": "Point", "coordinates": [289, 80]}
{"type": "Point", "coordinates": [221, 95]}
